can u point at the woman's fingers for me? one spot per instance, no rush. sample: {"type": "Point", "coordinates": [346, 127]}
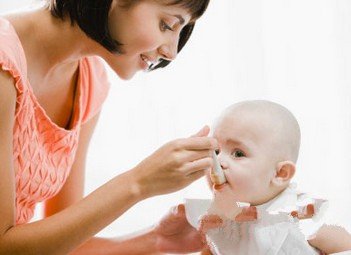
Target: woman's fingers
{"type": "Point", "coordinates": [196, 143]}
{"type": "Point", "coordinates": [195, 175]}
{"type": "Point", "coordinates": [176, 164]}
{"type": "Point", "coordinates": [198, 165]}
{"type": "Point", "coordinates": [202, 132]}
{"type": "Point", "coordinates": [183, 151]}
{"type": "Point", "coordinates": [172, 222]}
{"type": "Point", "coordinates": [174, 234]}
{"type": "Point", "coordinates": [190, 156]}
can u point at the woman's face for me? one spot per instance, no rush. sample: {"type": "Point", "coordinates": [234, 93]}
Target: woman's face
{"type": "Point", "coordinates": [148, 31]}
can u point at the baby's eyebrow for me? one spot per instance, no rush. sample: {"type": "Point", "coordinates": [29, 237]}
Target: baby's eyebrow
{"type": "Point", "coordinates": [231, 141]}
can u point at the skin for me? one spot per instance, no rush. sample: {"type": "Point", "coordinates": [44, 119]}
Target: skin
{"type": "Point", "coordinates": [175, 233]}
{"type": "Point", "coordinates": [255, 175]}
{"type": "Point", "coordinates": [249, 160]}
{"type": "Point", "coordinates": [54, 75]}
{"type": "Point", "coordinates": [74, 220]}
{"type": "Point", "coordinates": [152, 35]}
{"type": "Point", "coordinates": [332, 239]}
{"type": "Point", "coordinates": [247, 156]}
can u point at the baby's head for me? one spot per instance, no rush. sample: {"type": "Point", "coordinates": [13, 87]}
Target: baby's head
{"type": "Point", "coordinates": [259, 144]}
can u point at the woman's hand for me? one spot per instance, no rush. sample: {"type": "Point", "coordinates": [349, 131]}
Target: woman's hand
{"type": "Point", "coordinates": [175, 165]}
{"type": "Point", "coordinates": [175, 235]}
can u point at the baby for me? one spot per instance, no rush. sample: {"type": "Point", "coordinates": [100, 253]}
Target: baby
{"type": "Point", "coordinates": [259, 145]}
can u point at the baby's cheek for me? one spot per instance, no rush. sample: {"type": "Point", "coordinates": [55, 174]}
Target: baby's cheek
{"type": "Point", "coordinates": [236, 180]}
{"type": "Point", "coordinates": [241, 184]}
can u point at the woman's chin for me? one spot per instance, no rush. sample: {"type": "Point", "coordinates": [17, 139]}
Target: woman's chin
{"type": "Point", "coordinates": [125, 75]}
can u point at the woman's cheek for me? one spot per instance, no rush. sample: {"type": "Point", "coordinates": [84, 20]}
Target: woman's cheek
{"type": "Point", "coordinates": [146, 39]}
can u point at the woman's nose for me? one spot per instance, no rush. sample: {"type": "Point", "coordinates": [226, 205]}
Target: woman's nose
{"type": "Point", "coordinates": [169, 50]}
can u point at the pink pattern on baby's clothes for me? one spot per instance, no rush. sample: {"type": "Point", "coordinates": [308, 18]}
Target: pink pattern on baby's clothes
{"type": "Point", "coordinates": [43, 152]}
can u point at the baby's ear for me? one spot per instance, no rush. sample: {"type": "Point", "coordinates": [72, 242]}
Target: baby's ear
{"type": "Point", "coordinates": [285, 170]}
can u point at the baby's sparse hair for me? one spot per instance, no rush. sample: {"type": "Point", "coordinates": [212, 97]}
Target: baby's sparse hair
{"type": "Point", "coordinates": [281, 122]}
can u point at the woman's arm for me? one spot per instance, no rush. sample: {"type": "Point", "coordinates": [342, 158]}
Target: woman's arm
{"type": "Point", "coordinates": [73, 191]}
{"type": "Point", "coordinates": [139, 244]}
{"type": "Point", "coordinates": [172, 234]}
{"type": "Point", "coordinates": [172, 167]}
{"type": "Point", "coordinates": [331, 239]}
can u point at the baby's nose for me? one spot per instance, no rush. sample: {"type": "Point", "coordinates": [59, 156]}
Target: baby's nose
{"type": "Point", "coordinates": [224, 165]}
{"type": "Point", "coordinates": [222, 162]}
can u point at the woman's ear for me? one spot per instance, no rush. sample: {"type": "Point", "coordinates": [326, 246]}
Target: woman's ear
{"type": "Point", "coordinates": [285, 170]}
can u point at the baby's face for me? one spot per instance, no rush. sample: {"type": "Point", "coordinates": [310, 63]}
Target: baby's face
{"type": "Point", "coordinates": [246, 157]}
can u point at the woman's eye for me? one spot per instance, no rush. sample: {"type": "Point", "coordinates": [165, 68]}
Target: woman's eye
{"type": "Point", "coordinates": [238, 154]}
{"type": "Point", "coordinates": [164, 26]}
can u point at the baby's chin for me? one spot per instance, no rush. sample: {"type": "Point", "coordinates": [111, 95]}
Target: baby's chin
{"type": "Point", "coordinates": [252, 199]}
{"type": "Point", "coordinates": [234, 195]}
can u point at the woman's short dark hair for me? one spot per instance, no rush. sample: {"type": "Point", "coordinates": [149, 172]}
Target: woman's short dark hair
{"type": "Point", "coordinates": [92, 17]}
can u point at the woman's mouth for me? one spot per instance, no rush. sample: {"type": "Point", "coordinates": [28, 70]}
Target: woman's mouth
{"type": "Point", "coordinates": [146, 63]}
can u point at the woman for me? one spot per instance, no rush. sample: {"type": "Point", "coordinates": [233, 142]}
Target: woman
{"type": "Point", "coordinates": [52, 85]}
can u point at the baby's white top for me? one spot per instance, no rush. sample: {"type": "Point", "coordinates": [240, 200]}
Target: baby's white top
{"type": "Point", "coordinates": [274, 232]}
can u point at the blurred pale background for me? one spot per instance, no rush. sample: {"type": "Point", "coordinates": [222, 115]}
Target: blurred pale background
{"type": "Point", "coordinates": [294, 52]}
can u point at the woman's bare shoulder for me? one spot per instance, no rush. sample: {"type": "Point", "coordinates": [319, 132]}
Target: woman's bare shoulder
{"type": "Point", "coordinates": [7, 101]}
{"type": "Point", "coordinates": [7, 91]}
{"type": "Point", "coordinates": [7, 114]}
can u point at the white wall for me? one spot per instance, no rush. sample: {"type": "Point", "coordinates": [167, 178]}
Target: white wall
{"type": "Point", "coordinates": [294, 52]}
{"type": "Point", "coordinates": [15, 5]}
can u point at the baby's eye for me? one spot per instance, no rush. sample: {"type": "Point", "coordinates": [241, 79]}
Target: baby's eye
{"type": "Point", "coordinates": [164, 26]}
{"type": "Point", "coordinates": [217, 152]}
{"type": "Point", "coordinates": [238, 154]}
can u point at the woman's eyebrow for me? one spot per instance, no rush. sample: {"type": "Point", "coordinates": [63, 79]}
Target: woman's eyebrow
{"type": "Point", "coordinates": [180, 18]}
